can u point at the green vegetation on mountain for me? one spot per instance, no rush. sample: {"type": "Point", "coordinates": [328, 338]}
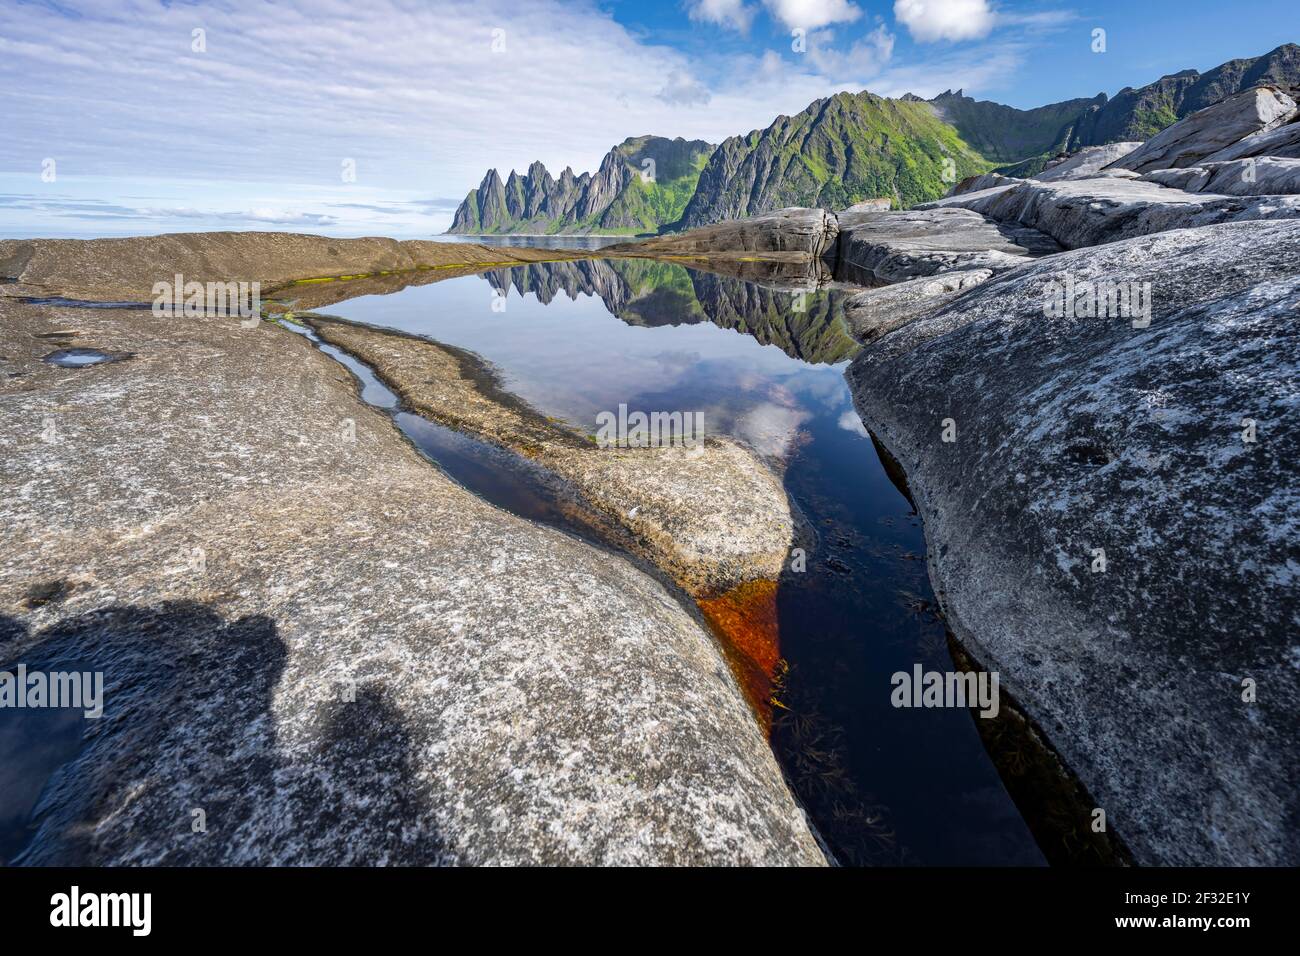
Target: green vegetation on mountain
{"type": "Point", "coordinates": [838, 151]}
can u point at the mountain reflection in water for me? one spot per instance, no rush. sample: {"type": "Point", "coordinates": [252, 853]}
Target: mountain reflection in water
{"type": "Point", "coordinates": [763, 358]}
{"type": "Point", "coordinates": [805, 324]}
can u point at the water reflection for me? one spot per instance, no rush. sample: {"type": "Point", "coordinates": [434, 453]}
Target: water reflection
{"type": "Point", "coordinates": [805, 323]}
{"type": "Point", "coordinates": [765, 363]}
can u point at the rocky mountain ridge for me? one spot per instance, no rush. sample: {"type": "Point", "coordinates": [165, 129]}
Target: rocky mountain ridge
{"type": "Point", "coordinates": [841, 150]}
{"type": "Point", "coordinates": [642, 185]}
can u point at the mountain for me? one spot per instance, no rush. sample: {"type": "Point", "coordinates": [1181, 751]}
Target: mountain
{"type": "Point", "coordinates": [642, 185]}
{"type": "Point", "coordinates": [1006, 134]}
{"type": "Point", "coordinates": [1139, 114]}
{"type": "Point", "coordinates": [843, 149]}
{"type": "Point", "coordinates": [1029, 138]}
{"type": "Point", "coordinates": [840, 150]}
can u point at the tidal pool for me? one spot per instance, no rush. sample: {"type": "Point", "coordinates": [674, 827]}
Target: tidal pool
{"type": "Point", "coordinates": [765, 365]}
{"type": "Point", "coordinates": [80, 358]}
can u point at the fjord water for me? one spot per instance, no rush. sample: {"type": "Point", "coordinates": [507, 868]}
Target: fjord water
{"type": "Point", "coordinates": [882, 784]}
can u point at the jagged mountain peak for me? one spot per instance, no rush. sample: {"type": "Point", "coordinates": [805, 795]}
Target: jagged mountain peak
{"type": "Point", "coordinates": [641, 185]}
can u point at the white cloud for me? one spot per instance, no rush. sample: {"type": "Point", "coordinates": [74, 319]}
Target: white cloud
{"type": "Point", "coordinates": [811, 14]}
{"type": "Point", "coordinates": [931, 20]}
{"type": "Point", "coordinates": [769, 428]}
{"type": "Point", "coordinates": [684, 90]}
{"type": "Point", "coordinates": [850, 422]}
{"type": "Point", "coordinates": [729, 13]}
{"type": "Point", "coordinates": [412, 92]}
{"type": "Point", "coordinates": [1042, 21]}
{"type": "Point", "coordinates": [972, 69]}
{"type": "Point", "coordinates": [257, 126]}
{"type": "Point", "coordinates": [864, 59]}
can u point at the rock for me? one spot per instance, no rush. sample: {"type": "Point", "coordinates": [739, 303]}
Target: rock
{"type": "Point", "coordinates": [968, 199]}
{"type": "Point", "coordinates": [973, 184]}
{"type": "Point", "coordinates": [896, 246]}
{"type": "Point", "coordinates": [1087, 162]}
{"type": "Point", "coordinates": [809, 231]}
{"type": "Point", "coordinates": [238, 538]}
{"type": "Point", "coordinates": [1263, 176]}
{"type": "Point", "coordinates": [1089, 212]}
{"type": "Point", "coordinates": [126, 269]}
{"type": "Point", "coordinates": [1207, 131]}
{"type": "Point", "coordinates": [872, 313]}
{"type": "Point", "coordinates": [1282, 142]}
{"type": "Point", "coordinates": [869, 247]}
{"type": "Point", "coordinates": [1082, 434]}
{"type": "Point", "coordinates": [1189, 180]}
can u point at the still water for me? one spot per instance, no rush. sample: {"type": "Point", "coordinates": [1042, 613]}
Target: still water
{"type": "Point", "coordinates": [765, 365]}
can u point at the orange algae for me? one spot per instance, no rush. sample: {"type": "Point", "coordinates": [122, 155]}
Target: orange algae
{"type": "Point", "coordinates": [746, 619]}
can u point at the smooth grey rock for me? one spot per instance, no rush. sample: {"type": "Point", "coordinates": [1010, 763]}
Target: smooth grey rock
{"type": "Point", "coordinates": [1262, 176]}
{"type": "Point", "coordinates": [1207, 131]}
{"type": "Point", "coordinates": [795, 229]}
{"type": "Point", "coordinates": [1088, 212]}
{"type": "Point", "coordinates": [1283, 142]}
{"type": "Point", "coordinates": [1189, 180]}
{"type": "Point", "coordinates": [520, 697]}
{"type": "Point", "coordinates": [872, 313]}
{"type": "Point", "coordinates": [1089, 161]}
{"type": "Point", "coordinates": [1081, 433]}
{"type": "Point", "coordinates": [972, 184]}
{"type": "Point", "coordinates": [968, 200]}
{"type": "Point", "coordinates": [896, 246]}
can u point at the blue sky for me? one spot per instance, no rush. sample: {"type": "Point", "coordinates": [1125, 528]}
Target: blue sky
{"type": "Point", "coordinates": [255, 122]}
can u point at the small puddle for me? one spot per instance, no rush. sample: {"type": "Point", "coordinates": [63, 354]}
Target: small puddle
{"type": "Point", "coordinates": [80, 358]}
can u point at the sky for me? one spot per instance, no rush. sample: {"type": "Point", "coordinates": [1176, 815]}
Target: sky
{"type": "Point", "coordinates": [347, 118]}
